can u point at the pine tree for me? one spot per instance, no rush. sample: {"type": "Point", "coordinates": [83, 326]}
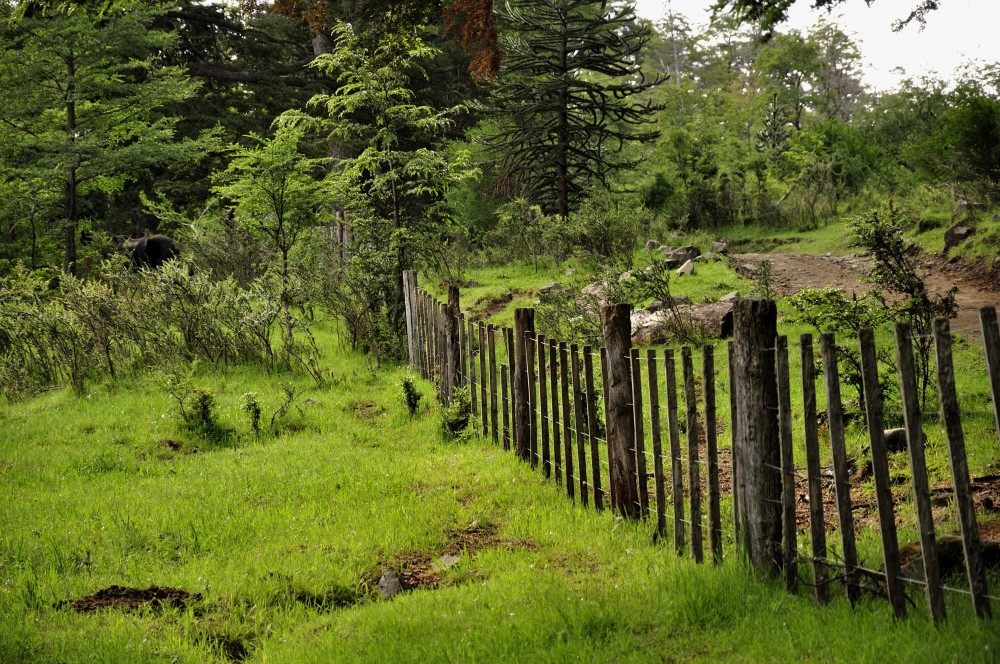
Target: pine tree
{"type": "Point", "coordinates": [561, 109]}
{"type": "Point", "coordinates": [82, 99]}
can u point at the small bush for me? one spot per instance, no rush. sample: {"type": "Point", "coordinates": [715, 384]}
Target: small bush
{"type": "Point", "coordinates": [455, 418]}
{"type": "Point", "coordinates": [251, 406]}
{"type": "Point", "coordinates": [411, 395]}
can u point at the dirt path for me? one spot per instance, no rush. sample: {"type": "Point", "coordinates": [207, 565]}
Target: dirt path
{"type": "Point", "coordinates": [790, 273]}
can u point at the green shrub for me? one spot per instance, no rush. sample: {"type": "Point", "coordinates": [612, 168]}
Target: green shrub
{"type": "Point", "coordinates": [455, 418]}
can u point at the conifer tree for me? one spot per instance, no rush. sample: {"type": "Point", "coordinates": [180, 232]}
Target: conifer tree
{"type": "Point", "coordinates": [562, 110]}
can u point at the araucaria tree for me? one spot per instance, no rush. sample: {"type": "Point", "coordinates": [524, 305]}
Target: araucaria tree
{"type": "Point", "coordinates": [82, 96]}
{"type": "Point", "coordinates": [562, 108]}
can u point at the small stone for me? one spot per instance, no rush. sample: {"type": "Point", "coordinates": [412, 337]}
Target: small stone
{"type": "Point", "coordinates": [551, 288]}
{"type": "Point", "coordinates": [710, 256]}
{"type": "Point", "coordinates": [681, 300]}
{"type": "Point", "coordinates": [389, 585]}
{"type": "Point", "coordinates": [729, 297]}
{"type": "Point", "coordinates": [654, 306]}
{"type": "Point", "coordinates": [472, 283]}
{"type": "Point", "coordinates": [570, 272]}
{"type": "Point", "coordinates": [720, 247]}
{"type": "Point", "coordinates": [444, 562]}
{"type": "Point", "coordinates": [651, 245]}
{"type": "Point", "coordinates": [687, 268]}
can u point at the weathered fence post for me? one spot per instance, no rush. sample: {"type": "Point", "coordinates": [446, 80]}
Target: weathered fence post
{"type": "Point", "coordinates": [758, 449]}
{"type": "Point", "coordinates": [789, 542]}
{"type": "Point", "coordinates": [918, 467]}
{"type": "Point", "coordinates": [453, 349]}
{"type": "Point", "coordinates": [410, 302]}
{"type": "Point", "coordinates": [817, 524]}
{"type": "Point", "coordinates": [950, 416]}
{"type": "Point", "coordinates": [991, 344]}
{"type": "Point", "coordinates": [842, 483]}
{"type": "Point", "coordinates": [524, 322]}
{"type": "Point", "coordinates": [880, 469]}
{"type": "Point", "coordinates": [617, 325]}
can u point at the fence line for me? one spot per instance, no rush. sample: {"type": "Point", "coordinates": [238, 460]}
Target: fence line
{"type": "Point", "coordinates": [547, 394]}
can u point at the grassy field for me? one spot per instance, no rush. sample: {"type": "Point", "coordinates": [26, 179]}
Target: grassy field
{"type": "Point", "coordinates": [284, 536]}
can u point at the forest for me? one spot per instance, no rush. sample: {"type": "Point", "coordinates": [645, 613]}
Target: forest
{"type": "Point", "coordinates": [314, 151]}
{"type": "Point", "coordinates": [216, 439]}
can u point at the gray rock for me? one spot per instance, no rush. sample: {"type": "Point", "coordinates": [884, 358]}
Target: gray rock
{"type": "Point", "coordinates": [681, 299]}
{"type": "Point", "coordinates": [720, 247]}
{"type": "Point", "coordinates": [570, 272]}
{"type": "Point", "coordinates": [957, 234]}
{"type": "Point", "coordinates": [709, 256]}
{"type": "Point", "coordinates": [444, 562]}
{"type": "Point", "coordinates": [730, 297]}
{"type": "Point", "coordinates": [687, 253]}
{"type": "Point", "coordinates": [655, 305]}
{"type": "Point", "coordinates": [686, 268]}
{"type": "Point", "coordinates": [651, 245]}
{"type": "Point", "coordinates": [472, 283]}
{"type": "Point", "coordinates": [389, 585]}
{"type": "Point", "coordinates": [551, 288]}
{"type": "Point", "coordinates": [895, 439]}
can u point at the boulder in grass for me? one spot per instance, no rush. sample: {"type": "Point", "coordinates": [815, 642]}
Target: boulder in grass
{"type": "Point", "coordinates": [651, 245]}
{"type": "Point", "coordinates": [729, 297]}
{"type": "Point", "coordinates": [710, 256]}
{"type": "Point", "coordinates": [957, 234]}
{"type": "Point", "coordinates": [685, 269]}
{"type": "Point", "coordinates": [895, 439]}
{"type": "Point", "coordinates": [720, 247]}
{"type": "Point", "coordinates": [551, 288]}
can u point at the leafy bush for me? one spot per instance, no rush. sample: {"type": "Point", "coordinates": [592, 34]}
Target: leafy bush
{"type": "Point", "coordinates": [411, 395]}
{"type": "Point", "coordinates": [455, 418]}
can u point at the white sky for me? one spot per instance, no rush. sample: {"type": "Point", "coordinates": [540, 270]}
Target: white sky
{"type": "Point", "coordinates": [957, 32]}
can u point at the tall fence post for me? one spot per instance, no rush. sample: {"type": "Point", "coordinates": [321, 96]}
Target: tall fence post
{"type": "Point", "coordinates": [410, 302]}
{"type": "Point", "coordinates": [453, 350]}
{"type": "Point", "coordinates": [950, 416]}
{"type": "Point", "coordinates": [758, 449]}
{"type": "Point", "coordinates": [617, 325]}
{"type": "Point", "coordinates": [524, 322]}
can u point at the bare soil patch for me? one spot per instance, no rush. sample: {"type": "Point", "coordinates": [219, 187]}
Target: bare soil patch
{"type": "Point", "coordinates": [791, 273]}
{"type": "Point", "coordinates": [124, 599]}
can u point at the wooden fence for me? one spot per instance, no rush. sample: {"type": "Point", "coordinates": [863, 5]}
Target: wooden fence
{"type": "Point", "coordinates": [541, 398]}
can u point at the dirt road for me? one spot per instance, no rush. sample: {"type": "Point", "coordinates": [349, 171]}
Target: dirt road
{"type": "Point", "coordinates": [791, 273]}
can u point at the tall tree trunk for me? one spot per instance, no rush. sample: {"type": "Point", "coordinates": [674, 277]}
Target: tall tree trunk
{"type": "Point", "coordinates": [562, 129]}
{"type": "Point", "coordinates": [69, 258]}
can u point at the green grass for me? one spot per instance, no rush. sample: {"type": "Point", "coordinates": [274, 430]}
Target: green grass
{"type": "Point", "coordinates": [271, 529]}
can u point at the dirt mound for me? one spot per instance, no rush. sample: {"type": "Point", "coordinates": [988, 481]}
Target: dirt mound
{"type": "Point", "coordinates": [125, 599]}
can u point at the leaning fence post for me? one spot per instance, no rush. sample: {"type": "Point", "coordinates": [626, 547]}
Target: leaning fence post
{"type": "Point", "coordinates": [842, 484]}
{"type": "Point", "coordinates": [617, 325]}
{"type": "Point", "coordinates": [880, 468]}
{"type": "Point", "coordinates": [950, 415]}
{"type": "Point", "coordinates": [991, 344]}
{"type": "Point", "coordinates": [918, 469]}
{"type": "Point", "coordinates": [755, 324]}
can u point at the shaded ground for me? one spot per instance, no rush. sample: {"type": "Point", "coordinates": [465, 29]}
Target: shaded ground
{"type": "Point", "coordinates": [791, 273]}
